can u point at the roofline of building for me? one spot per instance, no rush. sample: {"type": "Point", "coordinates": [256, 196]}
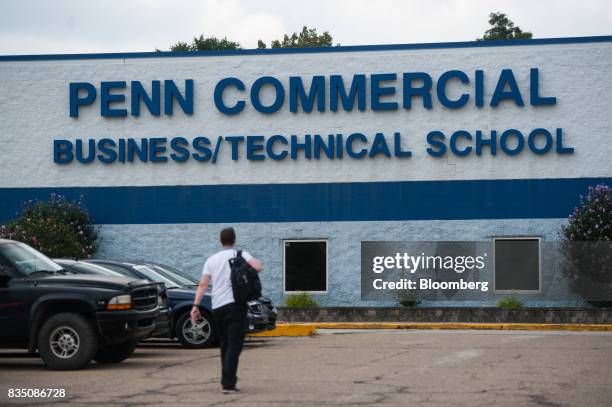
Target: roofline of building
{"type": "Point", "coordinates": [334, 49]}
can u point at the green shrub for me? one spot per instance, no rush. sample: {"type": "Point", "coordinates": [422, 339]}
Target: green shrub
{"type": "Point", "coordinates": [510, 302]}
{"type": "Point", "coordinates": [57, 227]}
{"type": "Point", "coordinates": [301, 300]}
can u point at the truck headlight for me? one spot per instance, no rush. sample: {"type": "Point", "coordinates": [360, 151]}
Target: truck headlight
{"type": "Point", "coordinates": [120, 302]}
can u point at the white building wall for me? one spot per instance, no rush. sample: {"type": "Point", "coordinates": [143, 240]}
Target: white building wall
{"type": "Point", "coordinates": [34, 110]}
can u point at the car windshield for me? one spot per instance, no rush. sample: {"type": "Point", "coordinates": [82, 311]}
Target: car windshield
{"type": "Point", "coordinates": [27, 260]}
{"type": "Point", "coordinates": [89, 268]}
{"type": "Point", "coordinates": [124, 270]}
{"type": "Point", "coordinates": [174, 275]}
{"type": "Point", "coordinates": [156, 276]}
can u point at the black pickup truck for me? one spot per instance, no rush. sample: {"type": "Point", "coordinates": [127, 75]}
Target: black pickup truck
{"type": "Point", "coordinates": [70, 318]}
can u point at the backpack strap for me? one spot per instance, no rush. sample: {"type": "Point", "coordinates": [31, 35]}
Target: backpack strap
{"type": "Point", "coordinates": [239, 253]}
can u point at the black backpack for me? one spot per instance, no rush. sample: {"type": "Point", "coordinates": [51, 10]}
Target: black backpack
{"type": "Point", "coordinates": [245, 280]}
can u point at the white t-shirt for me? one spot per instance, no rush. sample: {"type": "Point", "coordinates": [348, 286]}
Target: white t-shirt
{"type": "Point", "coordinates": [218, 268]}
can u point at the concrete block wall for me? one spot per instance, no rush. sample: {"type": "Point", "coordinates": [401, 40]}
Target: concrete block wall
{"type": "Point", "coordinates": [186, 246]}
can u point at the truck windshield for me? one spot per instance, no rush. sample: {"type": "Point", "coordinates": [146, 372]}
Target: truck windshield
{"type": "Point", "coordinates": [27, 260]}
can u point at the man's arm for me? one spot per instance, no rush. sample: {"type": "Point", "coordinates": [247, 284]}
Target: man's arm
{"type": "Point", "coordinates": [195, 310]}
{"type": "Point", "coordinates": [256, 264]}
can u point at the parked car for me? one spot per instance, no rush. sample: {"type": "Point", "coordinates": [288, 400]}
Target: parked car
{"type": "Point", "coordinates": [256, 323]}
{"type": "Point", "coordinates": [163, 322]}
{"type": "Point", "coordinates": [261, 315]}
{"type": "Point", "coordinates": [70, 319]}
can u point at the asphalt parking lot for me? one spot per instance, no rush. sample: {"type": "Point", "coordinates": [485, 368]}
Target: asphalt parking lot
{"type": "Point", "coordinates": [424, 368]}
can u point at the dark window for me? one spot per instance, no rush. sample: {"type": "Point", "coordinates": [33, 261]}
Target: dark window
{"type": "Point", "coordinates": [517, 264]}
{"type": "Point", "coordinates": [305, 265]}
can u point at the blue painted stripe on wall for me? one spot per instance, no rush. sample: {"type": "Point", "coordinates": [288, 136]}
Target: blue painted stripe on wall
{"type": "Point", "coordinates": [274, 51]}
{"type": "Point", "coordinates": [359, 201]}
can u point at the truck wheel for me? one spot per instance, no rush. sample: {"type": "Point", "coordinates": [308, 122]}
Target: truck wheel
{"type": "Point", "coordinates": [115, 353]}
{"type": "Point", "coordinates": [67, 341]}
{"type": "Point", "coordinates": [200, 335]}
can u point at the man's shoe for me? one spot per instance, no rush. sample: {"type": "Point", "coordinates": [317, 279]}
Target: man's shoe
{"type": "Point", "coordinates": [233, 390]}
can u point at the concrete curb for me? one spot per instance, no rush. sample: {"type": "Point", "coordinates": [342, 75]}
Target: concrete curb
{"type": "Point", "coordinates": [289, 330]}
{"type": "Point", "coordinates": [307, 329]}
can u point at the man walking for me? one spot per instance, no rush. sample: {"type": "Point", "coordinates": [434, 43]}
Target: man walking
{"type": "Point", "coordinates": [230, 318]}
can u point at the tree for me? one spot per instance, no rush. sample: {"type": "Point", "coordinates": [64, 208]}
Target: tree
{"type": "Point", "coordinates": [502, 28]}
{"type": "Point", "coordinates": [205, 44]}
{"type": "Point", "coordinates": [307, 38]}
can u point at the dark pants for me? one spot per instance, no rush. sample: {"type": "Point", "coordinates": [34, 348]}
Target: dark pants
{"type": "Point", "coordinates": [230, 320]}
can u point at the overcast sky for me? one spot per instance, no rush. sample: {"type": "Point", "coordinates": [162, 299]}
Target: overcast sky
{"type": "Point", "coordinates": [80, 26]}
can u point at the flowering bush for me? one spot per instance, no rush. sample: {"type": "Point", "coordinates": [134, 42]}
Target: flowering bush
{"type": "Point", "coordinates": [587, 246]}
{"type": "Point", "coordinates": [592, 219]}
{"type": "Point", "coordinates": [58, 228]}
